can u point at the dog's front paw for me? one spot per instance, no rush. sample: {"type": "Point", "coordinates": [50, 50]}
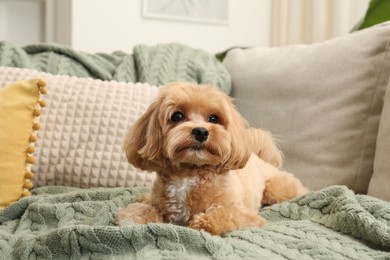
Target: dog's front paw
{"type": "Point", "coordinates": [216, 220]}
{"type": "Point", "coordinates": [200, 222]}
{"type": "Point", "coordinates": [122, 218]}
{"type": "Point", "coordinates": [137, 213]}
{"type": "Point", "coordinates": [219, 220]}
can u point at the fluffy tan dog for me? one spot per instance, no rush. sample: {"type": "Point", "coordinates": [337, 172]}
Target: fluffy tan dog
{"type": "Point", "coordinates": [213, 173]}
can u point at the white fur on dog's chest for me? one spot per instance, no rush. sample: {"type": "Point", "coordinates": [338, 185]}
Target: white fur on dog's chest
{"type": "Point", "coordinates": [177, 193]}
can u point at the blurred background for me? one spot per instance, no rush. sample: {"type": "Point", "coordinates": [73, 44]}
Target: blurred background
{"type": "Point", "coordinates": [213, 25]}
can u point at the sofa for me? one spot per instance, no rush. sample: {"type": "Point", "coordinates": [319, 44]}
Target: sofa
{"type": "Point", "coordinates": [64, 115]}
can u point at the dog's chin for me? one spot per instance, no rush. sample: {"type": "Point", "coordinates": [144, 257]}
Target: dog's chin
{"type": "Point", "coordinates": [197, 154]}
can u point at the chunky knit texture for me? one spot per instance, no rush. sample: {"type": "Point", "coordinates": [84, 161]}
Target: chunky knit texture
{"type": "Point", "coordinates": [156, 65]}
{"type": "Point", "coordinates": [328, 224]}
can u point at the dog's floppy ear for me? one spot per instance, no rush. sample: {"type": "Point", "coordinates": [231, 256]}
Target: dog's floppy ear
{"type": "Point", "coordinates": [264, 146]}
{"type": "Point", "coordinates": [143, 142]}
{"type": "Point", "coordinates": [240, 148]}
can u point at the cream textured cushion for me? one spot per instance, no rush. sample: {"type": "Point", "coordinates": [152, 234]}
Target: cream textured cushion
{"type": "Point", "coordinates": [380, 180]}
{"type": "Point", "coordinates": [323, 100]}
{"type": "Point", "coordinates": [83, 130]}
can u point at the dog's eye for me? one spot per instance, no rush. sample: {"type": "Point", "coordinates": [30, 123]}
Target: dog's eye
{"type": "Point", "coordinates": [213, 119]}
{"type": "Point", "coordinates": [177, 117]}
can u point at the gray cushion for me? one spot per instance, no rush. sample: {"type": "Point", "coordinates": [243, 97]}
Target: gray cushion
{"type": "Point", "coordinates": [323, 100]}
{"type": "Point", "coordinates": [380, 180]}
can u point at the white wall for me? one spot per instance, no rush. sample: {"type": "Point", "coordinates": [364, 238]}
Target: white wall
{"type": "Point", "coordinates": [3, 20]}
{"type": "Point", "coordinates": [118, 25]}
{"type": "Point", "coordinates": [109, 25]}
{"type": "Point", "coordinates": [21, 21]}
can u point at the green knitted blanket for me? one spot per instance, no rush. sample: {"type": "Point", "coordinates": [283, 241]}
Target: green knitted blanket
{"type": "Point", "coordinates": [156, 65]}
{"type": "Point", "coordinates": [59, 222]}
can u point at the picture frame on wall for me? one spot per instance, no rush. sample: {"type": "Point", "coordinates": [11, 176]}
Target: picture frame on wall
{"type": "Point", "coordinates": [197, 11]}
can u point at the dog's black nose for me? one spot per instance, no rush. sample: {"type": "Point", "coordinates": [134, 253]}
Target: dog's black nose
{"type": "Point", "coordinates": [200, 134]}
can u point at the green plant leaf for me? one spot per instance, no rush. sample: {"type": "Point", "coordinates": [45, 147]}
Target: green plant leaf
{"type": "Point", "coordinates": [378, 11]}
{"type": "Point", "coordinates": [221, 55]}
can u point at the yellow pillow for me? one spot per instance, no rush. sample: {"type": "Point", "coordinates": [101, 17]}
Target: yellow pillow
{"type": "Point", "coordinates": [19, 113]}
